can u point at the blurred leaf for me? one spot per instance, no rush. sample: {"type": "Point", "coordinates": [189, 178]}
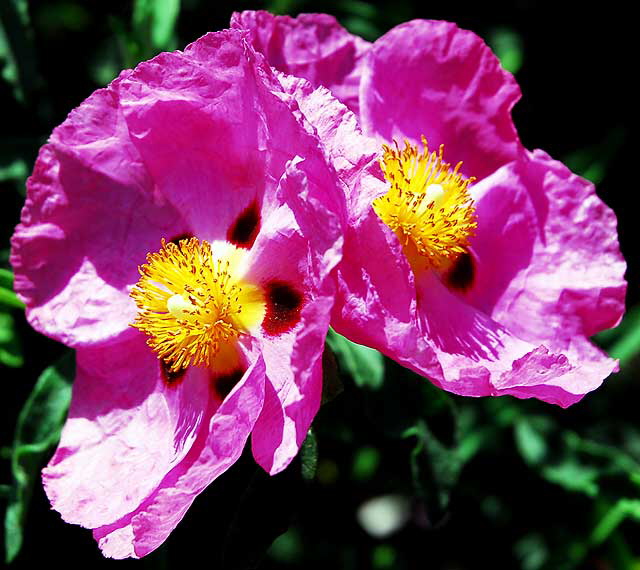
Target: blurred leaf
{"type": "Point", "coordinates": [154, 23]}
{"type": "Point", "coordinates": [627, 347]}
{"type": "Point", "coordinates": [532, 551]}
{"type": "Point", "coordinates": [573, 476]}
{"type": "Point", "coordinates": [9, 299]}
{"type": "Point", "coordinates": [10, 349]}
{"type": "Point", "coordinates": [287, 547]}
{"type": "Point", "coordinates": [281, 6]}
{"type": "Point", "coordinates": [531, 440]}
{"type": "Point", "coordinates": [507, 45]}
{"type": "Point", "coordinates": [592, 162]}
{"type": "Point", "coordinates": [17, 54]}
{"type": "Point", "coordinates": [6, 278]}
{"type": "Point", "coordinates": [15, 171]}
{"type": "Point", "coordinates": [365, 463]}
{"type": "Point", "coordinates": [309, 456]}
{"type": "Point", "coordinates": [383, 556]}
{"type": "Point", "coordinates": [362, 27]}
{"type": "Point", "coordinates": [622, 509]}
{"type": "Point", "coordinates": [365, 365]}
{"type": "Point", "coordinates": [435, 469]}
{"type": "Point", "coordinates": [37, 431]}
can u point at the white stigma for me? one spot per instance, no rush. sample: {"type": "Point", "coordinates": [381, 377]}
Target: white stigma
{"type": "Point", "coordinates": [433, 193]}
{"type": "Point", "coordinates": [178, 306]}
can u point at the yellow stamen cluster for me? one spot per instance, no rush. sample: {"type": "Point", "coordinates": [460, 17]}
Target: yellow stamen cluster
{"type": "Point", "coordinates": [194, 303]}
{"type": "Point", "coordinates": [428, 205]}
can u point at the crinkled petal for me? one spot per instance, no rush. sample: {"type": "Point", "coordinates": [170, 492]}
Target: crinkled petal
{"type": "Point", "coordinates": [90, 205]}
{"type": "Point", "coordinates": [301, 248]}
{"type": "Point", "coordinates": [218, 446]}
{"type": "Point", "coordinates": [354, 156]}
{"type": "Point", "coordinates": [431, 78]}
{"type": "Point", "coordinates": [376, 301]}
{"type": "Point", "coordinates": [127, 428]}
{"type": "Point", "coordinates": [478, 356]}
{"type": "Point", "coordinates": [203, 122]}
{"type": "Point", "coordinates": [312, 46]}
{"type": "Point", "coordinates": [574, 284]}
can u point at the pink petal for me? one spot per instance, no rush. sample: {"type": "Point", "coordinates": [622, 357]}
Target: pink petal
{"type": "Point", "coordinates": [478, 356]}
{"type": "Point", "coordinates": [219, 444]}
{"type": "Point", "coordinates": [90, 205]}
{"type": "Point", "coordinates": [294, 359]}
{"type": "Point", "coordinates": [127, 428]}
{"type": "Point", "coordinates": [574, 285]}
{"type": "Point", "coordinates": [312, 46]}
{"type": "Point", "coordinates": [431, 78]}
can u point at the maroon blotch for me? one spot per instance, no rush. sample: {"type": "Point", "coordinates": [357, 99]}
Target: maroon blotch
{"type": "Point", "coordinates": [244, 230]}
{"type": "Point", "coordinates": [180, 237]}
{"type": "Point", "coordinates": [171, 378]}
{"type": "Point", "coordinates": [224, 383]}
{"type": "Point", "coordinates": [284, 304]}
{"type": "Point", "coordinates": [460, 276]}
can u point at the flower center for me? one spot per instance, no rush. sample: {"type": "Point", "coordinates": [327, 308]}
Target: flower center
{"type": "Point", "coordinates": [428, 205]}
{"type": "Point", "coordinates": [194, 303]}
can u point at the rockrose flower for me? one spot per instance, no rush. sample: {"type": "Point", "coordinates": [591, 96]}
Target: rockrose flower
{"type": "Point", "coordinates": [179, 231]}
{"type": "Point", "coordinates": [467, 258]}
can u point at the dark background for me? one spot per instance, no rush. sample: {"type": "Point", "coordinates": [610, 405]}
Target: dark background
{"type": "Point", "coordinates": [542, 488]}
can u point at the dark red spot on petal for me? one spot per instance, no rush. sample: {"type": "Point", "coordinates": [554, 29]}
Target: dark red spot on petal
{"type": "Point", "coordinates": [460, 276]}
{"type": "Point", "coordinates": [171, 378]}
{"type": "Point", "coordinates": [180, 237]}
{"type": "Point", "coordinates": [244, 230]}
{"type": "Point", "coordinates": [223, 383]}
{"type": "Point", "coordinates": [284, 304]}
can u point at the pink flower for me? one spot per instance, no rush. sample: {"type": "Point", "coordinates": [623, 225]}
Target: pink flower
{"type": "Point", "coordinates": [205, 150]}
{"type": "Point", "coordinates": [488, 286]}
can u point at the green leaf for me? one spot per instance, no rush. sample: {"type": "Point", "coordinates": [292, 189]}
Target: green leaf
{"type": "Point", "coordinates": [154, 23]}
{"type": "Point", "coordinates": [507, 45]}
{"type": "Point", "coordinates": [309, 456]}
{"type": "Point", "coordinates": [593, 162]}
{"type": "Point", "coordinates": [623, 508]}
{"type": "Point", "coordinates": [17, 53]}
{"type": "Point", "coordinates": [435, 469]}
{"type": "Point", "coordinates": [16, 170]}
{"type": "Point", "coordinates": [574, 476]}
{"type": "Point", "coordinates": [365, 463]}
{"type": "Point", "coordinates": [9, 299]}
{"type": "Point", "coordinates": [365, 365]}
{"type": "Point", "coordinates": [530, 440]}
{"type": "Point", "coordinates": [10, 349]}
{"type": "Point", "coordinates": [37, 431]}
{"type": "Point", "coordinates": [6, 278]}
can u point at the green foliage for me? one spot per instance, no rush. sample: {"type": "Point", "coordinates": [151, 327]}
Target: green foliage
{"type": "Point", "coordinates": [507, 45]}
{"type": "Point", "coordinates": [593, 162]}
{"type": "Point", "coordinates": [363, 364]}
{"type": "Point", "coordinates": [17, 53]}
{"type": "Point", "coordinates": [7, 297]}
{"type": "Point", "coordinates": [10, 345]}
{"type": "Point", "coordinates": [37, 431]}
{"type": "Point", "coordinates": [154, 23]}
{"type": "Point", "coordinates": [309, 456]}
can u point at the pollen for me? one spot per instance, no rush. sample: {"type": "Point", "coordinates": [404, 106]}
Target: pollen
{"type": "Point", "coordinates": [427, 206]}
{"type": "Point", "coordinates": [194, 302]}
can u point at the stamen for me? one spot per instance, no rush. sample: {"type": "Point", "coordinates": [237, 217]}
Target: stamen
{"type": "Point", "coordinates": [193, 301]}
{"type": "Point", "coordinates": [428, 205]}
